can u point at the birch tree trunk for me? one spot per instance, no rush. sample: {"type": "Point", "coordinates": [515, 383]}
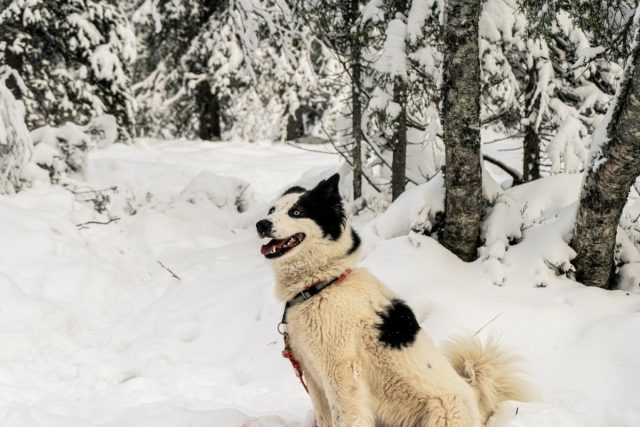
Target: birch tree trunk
{"type": "Point", "coordinates": [606, 187]}
{"type": "Point", "coordinates": [461, 116]}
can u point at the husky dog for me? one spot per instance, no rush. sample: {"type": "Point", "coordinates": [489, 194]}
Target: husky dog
{"type": "Point", "coordinates": [359, 346]}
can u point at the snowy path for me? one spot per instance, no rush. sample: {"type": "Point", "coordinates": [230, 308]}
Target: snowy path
{"type": "Point", "coordinates": [95, 332]}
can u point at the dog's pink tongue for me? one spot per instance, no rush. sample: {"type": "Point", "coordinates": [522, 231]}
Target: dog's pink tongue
{"type": "Point", "coordinates": [266, 249]}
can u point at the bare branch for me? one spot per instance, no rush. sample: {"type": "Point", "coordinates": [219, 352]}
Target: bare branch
{"type": "Point", "coordinates": [517, 179]}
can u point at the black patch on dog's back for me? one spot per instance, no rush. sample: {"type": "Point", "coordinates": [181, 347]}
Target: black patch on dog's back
{"type": "Point", "coordinates": [399, 326]}
{"type": "Point", "coordinates": [294, 189]}
{"type": "Point", "coordinates": [323, 205]}
{"type": "Point", "coordinates": [356, 242]}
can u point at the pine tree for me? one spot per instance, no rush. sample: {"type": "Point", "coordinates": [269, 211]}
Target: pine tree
{"type": "Point", "coordinates": [74, 57]}
{"type": "Point", "coordinates": [548, 86]}
{"type": "Point", "coordinates": [338, 25]}
{"type": "Point", "coordinates": [401, 120]}
{"type": "Point", "coordinates": [211, 64]}
{"type": "Point", "coordinates": [175, 100]}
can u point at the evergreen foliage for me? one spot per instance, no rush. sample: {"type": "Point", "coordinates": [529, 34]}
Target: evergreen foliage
{"type": "Point", "coordinates": [74, 57]}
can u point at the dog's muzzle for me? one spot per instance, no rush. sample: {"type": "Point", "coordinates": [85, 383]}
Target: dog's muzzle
{"type": "Point", "coordinates": [264, 228]}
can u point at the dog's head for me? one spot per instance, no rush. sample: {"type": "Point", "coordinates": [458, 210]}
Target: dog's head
{"type": "Point", "coordinates": [301, 219]}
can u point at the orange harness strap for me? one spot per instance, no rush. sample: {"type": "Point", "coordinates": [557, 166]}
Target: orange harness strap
{"type": "Point", "coordinates": [288, 354]}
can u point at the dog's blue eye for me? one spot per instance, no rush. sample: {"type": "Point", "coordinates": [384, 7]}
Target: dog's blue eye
{"type": "Point", "coordinates": [296, 213]}
{"type": "Point", "coordinates": [272, 210]}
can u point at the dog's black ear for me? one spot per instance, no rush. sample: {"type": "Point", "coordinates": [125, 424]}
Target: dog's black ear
{"type": "Point", "coordinates": [323, 205]}
{"type": "Point", "coordinates": [328, 188]}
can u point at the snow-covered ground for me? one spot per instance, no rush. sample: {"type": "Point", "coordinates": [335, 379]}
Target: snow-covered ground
{"type": "Point", "coordinates": [94, 331]}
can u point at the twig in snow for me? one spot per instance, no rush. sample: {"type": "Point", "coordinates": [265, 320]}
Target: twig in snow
{"type": "Point", "coordinates": [114, 188]}
{"type": "Point", "coordinates": [487, 324]}
{"type": "Point", "coordinates": [169, 270]}
{"type": "Point", "coordinates": [309, 149]}
{"type": "Point", "coordinates": [84, 224]}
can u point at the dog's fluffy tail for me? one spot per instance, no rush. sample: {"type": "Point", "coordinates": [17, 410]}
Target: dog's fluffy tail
{"type": "Point", "coordinates": [492, 372]}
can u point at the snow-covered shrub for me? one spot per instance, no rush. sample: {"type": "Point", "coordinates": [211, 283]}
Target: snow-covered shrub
{"type": "Point", "coordinates": [15, 141]}
{"type": "Point", "coordinates": [504, 221]}
{"type": "Point", "coordinates": [64, 149]}
{"type": "Point", "coordinates": [419, 209]}
{"type": "Point", "coordinates": [534, 218]}
{"type": "Point", "coordinates": [226, 193]}
{"type": "Point", "coordinates": [627, 252]}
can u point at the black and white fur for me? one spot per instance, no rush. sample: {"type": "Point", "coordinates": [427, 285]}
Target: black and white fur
{"type": "Point", "coordinates": [363, 353]}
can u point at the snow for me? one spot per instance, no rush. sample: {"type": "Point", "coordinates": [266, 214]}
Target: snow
{"type": "Point", "coordinates": [106, 64]}
{"type": "Point", "coordinates": [96, 332]}
{"type": "Point", "coordinates": [567, 147]}
{"type": "Point", "coordinates": [15, 142]}
{"type": "Point", "coordinates": [393, 59]}
{"type": "Point", "coordinates": [89, 35]}
{"type": "Point", "coordinates": [417, 17]}
{"type": "Point", "coordinates": [372, 11]}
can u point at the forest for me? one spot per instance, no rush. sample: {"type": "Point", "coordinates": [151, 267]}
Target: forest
{"type": "Point", "coordinates": [497, 141]}
{"type": "Point", "coordinates": [393, 87]}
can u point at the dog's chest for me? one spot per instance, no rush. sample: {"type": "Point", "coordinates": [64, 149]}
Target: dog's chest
{"type": "Point", "coordinates": [304, 329]}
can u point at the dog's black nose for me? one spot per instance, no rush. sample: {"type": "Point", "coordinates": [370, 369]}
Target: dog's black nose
{"type": "Point", "coordinates": [264, 228]}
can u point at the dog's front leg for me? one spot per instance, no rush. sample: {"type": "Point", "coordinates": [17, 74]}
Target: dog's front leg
{"type": "Point", "coordinates": [320, 404]}
{"type": "Point", "coordinates": [348, 396]}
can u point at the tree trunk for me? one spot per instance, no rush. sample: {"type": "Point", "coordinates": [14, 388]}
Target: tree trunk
{"type": "Point", "coordinates": [295, 125]}
{"type": "Point", "coordinates": [356, 107]}
{"type": "Point", "coordinates": [531, 143]}
{"type": "Point", "coordinates": [14, 61]}
{"type": "Point", "coordinates": [606, 187]}
{"type": "Point", "coordinates": [209, 112]}
{"type": "Point", "coordinates": [399, 161]}
{"type": "Point", "coordinates": [461, 114]}
{"type": "Point", "coordinates": [531, 154]}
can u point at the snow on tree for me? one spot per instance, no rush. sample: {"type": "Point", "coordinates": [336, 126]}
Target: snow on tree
{"type": "Point", "coordinates": [172, 102]}
{"type": "Point", "coordinates": [233, 67]}
{"type": "Point", "coordinates": [384, 112]}
{"type": "Point", "coordinates": [402, 119]}
{"type": "Point", "coordinates": [74, 57]}
{"type": "Point", "coordinates": [15, 141]}
{"type": "Point", "coordinates": [548, 85]}
{"type": "Point", "coordinates": [339, 25]}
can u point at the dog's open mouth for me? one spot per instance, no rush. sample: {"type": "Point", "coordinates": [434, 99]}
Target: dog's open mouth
{"type": "Point", "coordinates": [276, 248]}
